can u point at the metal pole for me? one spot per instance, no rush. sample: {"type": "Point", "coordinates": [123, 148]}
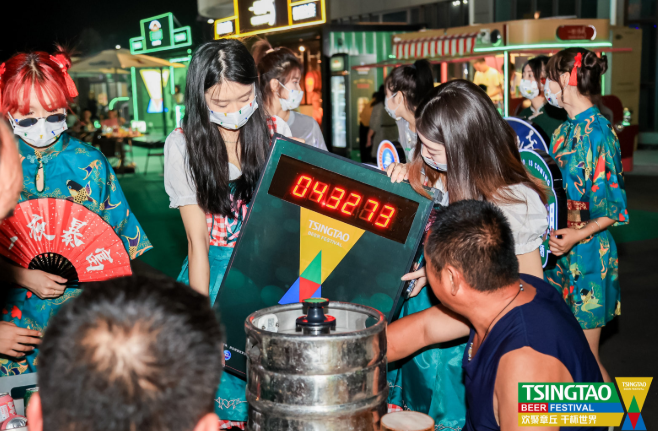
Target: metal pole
{"type": "Point", "coordinates": [164, 114]}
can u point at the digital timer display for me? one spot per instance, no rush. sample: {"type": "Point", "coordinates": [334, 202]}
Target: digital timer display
{"type": "Point", "coordinates": [342, 198]}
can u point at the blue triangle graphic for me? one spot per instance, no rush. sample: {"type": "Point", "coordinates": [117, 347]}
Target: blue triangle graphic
{"type": "Point", "coordinates": [318, 293]}
{"type": "Point", "coordinates": [640, 424]}
{"type": "Point", "coordinates": [292, 295]}
{"type": "Point", "coordinates": [627, 424]}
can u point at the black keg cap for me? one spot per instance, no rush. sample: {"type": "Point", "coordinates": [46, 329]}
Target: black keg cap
{"type": "Point", "coordinates": [315, 321]}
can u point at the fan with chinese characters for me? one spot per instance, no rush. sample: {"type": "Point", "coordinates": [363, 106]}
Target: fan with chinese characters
{"type": "Point", "coordinates": [63, 238]}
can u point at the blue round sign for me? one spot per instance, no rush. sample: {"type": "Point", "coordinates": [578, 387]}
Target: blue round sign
{"type": "Point", "coordinates": [386, 154]}
{"type": "Point", "coordinates": [527, 136]}
{"type": "Point", "coordinates": [227, 355]}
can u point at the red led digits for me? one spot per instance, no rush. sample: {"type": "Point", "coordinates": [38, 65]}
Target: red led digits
{"type": "Point", "coordinates": [352, 201]}
{"type": "Point", "coordinates": [385, 216]}
{"type": "Point", "coordinates": [335, 198]}
{"type": "Point", "coordinates": [301, 188]}
{"type": "Point", "coordinates": [319, 189]}
{"type": "Point", "coordinates": [369, 210]}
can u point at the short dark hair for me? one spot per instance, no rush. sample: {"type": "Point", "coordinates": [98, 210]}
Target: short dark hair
{"type": "Point", "coordinates": [474, 237]}
{"type": "Point", "coordinates": [134, 353]}
{"type": "Point", "coordinates": [479, 60]}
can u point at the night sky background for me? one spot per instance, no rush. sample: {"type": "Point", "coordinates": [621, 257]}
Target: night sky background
{"type": "Point", "coordinates": [86, 26]}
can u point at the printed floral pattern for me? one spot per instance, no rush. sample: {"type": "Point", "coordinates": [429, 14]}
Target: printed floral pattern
{"type": "Point", "coordinates": [587, 151]}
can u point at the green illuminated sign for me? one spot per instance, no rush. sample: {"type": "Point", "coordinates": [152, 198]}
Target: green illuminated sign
{"type": "Point", "coordinates": [159, 33]}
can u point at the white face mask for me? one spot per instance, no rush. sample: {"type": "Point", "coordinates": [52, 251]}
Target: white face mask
{"type": "Point", "coordinates": [293, 100]}
{"type": "Point", "coordinates": [234, 120]}
{"type": "Point", "coordinates": [389, 110]}
{"type": "Point", "coordinates": [41, 134]}
{"type": "Point", "coordinates": [529, 89]}
{"type": "Point", "coordinates": [550, 96]}
{"type": "Point", "coordinates": [443, 167]}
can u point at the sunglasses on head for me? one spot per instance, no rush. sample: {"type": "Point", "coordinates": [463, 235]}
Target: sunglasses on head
{"type": "Point", "coordinates": [28, 122]}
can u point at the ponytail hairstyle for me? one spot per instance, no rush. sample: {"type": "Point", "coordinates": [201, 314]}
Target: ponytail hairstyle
{"type": "Point", "coordinates": [273, 63]}
{"type": "Point", "coordinates": [481, 149]}
{"type": "Point", "coordinates": [585, 69]}
{"type": "Point", "coordinates": [47, 74]}
{"type": "Point", "coordinates": [219, 62]}
{"type": "Point", "coordinates": [414, 81]}
{"type": "Point", "coordinates": [538, 67]}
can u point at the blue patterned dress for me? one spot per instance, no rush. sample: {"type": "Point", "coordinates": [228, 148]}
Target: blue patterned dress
{"type": "Point", "coordinates": [76, 163]}
{"type": "Point", "coordinates": [587, 151]}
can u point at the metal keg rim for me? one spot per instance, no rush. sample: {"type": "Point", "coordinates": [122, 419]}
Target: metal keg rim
{"type": "Point", "coordinates": [372, 312]}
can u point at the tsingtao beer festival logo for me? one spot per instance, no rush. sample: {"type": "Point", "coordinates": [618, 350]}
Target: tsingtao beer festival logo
{"type": "Point", "coordinates": [634, 391]}
{"type": "Point", "coordinates": [569, 404]}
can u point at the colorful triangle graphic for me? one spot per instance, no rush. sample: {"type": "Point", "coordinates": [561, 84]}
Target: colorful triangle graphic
{"type": "Point", "coordinates": [634, 408]}
{"type": "Point", "coordinates": [313, 271]}
{"type": "Point", "coordinates": [307, 288]}
{"type": "Point", "coordinates": [292, 295]}
{"type": "Point", "coordinates": [633, 417]}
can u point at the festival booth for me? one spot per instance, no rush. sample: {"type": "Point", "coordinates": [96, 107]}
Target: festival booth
{"type": "Point", "coordinates": [503, 44]}
{"type": "Point", "coordinates": [158, 93]}
{"type": "Point", "coordinates": [334, 92]}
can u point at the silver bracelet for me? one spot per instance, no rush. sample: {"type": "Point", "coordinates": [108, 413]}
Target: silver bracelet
{"type": "Point", "coordinates": [597, 223]}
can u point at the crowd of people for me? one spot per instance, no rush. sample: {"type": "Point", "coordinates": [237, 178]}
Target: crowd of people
{"type": "Point", "coordinates": [116, 355]}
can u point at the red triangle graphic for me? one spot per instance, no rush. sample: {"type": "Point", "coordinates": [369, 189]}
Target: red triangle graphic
{"type": "Point", "coordinates": [306, 288]}
{"type": "Point", "coordinates": [634, 417]}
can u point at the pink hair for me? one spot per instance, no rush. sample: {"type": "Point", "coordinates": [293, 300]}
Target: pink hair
{"type": "Point", "coordinates": [47, 74]}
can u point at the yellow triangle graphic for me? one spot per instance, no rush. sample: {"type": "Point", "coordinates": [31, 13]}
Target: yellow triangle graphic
{"type": "Point", "coordinates": [637, 387]}
{"type": "Point", "coordinates": [321, 233]}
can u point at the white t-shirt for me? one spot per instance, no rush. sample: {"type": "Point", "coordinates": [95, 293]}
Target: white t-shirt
{"type": "Point", "coordinates": [491, 78]}
{"type": "Point", "coordinates": [528, 220]}
{"type": "Point", "coordinates": [177, 177]}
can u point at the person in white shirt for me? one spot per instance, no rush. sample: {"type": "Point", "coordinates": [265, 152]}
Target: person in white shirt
{"type": "Point", "coordinates": [490, 78]}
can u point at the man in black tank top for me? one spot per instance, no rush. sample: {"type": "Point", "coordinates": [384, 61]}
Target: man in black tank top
{"type": "Point", "coordinates": [519, 328]}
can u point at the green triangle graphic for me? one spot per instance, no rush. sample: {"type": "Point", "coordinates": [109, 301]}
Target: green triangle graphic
{"type": "Point", "coordinates": [633, 408]}
{"type": "Point", "coordinates": [313, 271]}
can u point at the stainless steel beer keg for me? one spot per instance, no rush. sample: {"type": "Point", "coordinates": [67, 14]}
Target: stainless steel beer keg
{"type": "Point", "coordinates": [316, 366]}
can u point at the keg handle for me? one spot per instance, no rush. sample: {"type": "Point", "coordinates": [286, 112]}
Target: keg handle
{"type": "Point", "coordinates": [315, 322]}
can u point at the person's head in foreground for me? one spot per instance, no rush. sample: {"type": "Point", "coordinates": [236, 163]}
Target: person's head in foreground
{"type": "Point", "coordinates": [470, 246]}
{"type": "Point", "coordinates": [131, 354]}
{"type": "Point", "coordinates": [519, 327]}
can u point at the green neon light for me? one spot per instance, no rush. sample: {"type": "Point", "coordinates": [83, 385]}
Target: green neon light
{"type": "Point", "coordinates": [603, 85]}
{"type": "Point", "coordinates": [544, 46]}
{"type": "Point", "coordinates": [179, 37]}
{"type": "Point", "coordinates": [506, 92]}
{"type": "Point", "coordinates": [97, 124]}
{"type": "Point", "coordinates": [172, 84]}
{"type": "Point", "coordinates": [180, 59]}
{"type": "Point", "coordinates": [133, 82]}
{"type": "Point", "coordinates": [115, 100]}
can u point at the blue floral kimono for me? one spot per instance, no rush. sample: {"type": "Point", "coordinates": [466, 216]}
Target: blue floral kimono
{"type": "Point", "coordinates": [77, 171]}
{"type": "Point", "coordinates": [587, 151]}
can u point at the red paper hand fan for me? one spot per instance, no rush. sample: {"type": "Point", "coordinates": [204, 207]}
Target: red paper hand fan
{"type": "Point", "coordinates": [63, 238]}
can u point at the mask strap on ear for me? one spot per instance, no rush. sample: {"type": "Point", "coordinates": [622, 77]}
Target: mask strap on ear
{"type": "Point", "coordinates": [577, 62]}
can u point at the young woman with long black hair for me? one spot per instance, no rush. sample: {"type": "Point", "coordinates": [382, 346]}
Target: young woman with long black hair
{"type": "Point", "coordinates": [212, 166]}
{"type": "Point", "coordinates": [468, 151]}
{"type": "Point", "coordinates": [280, 74]}
{"type": "Point", "coordinates": [406, 86]}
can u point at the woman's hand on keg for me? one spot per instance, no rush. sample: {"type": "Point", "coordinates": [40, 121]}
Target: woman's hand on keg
{"type": "Point", "coordinates": [15, 341]}
{"type": "Point", "coordinates": [398, 172]}
{"type": "Point", "coordinates": [421, 280]}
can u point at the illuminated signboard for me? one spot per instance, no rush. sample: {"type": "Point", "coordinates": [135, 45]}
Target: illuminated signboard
{"type": "Point", "coordinates": [264, 16]}
{"type": "Point", "coordinates": [159, 33]}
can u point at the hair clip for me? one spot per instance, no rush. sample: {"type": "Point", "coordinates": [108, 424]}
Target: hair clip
{"type": "Point", "coordinates": [269, 50]}
{"type": "Point", "coordinates": [61, 61]}
{"type": "Point", "coordinates": [577, 62]}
